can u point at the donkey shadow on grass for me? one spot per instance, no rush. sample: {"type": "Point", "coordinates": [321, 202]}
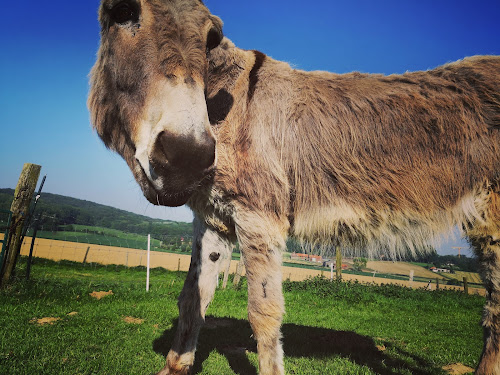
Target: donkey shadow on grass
{"type": "Point", "coordinates": [233, 338]}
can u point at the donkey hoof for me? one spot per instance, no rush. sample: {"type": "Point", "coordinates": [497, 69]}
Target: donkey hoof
{"type": "Point", "coordinates": [175, 371]}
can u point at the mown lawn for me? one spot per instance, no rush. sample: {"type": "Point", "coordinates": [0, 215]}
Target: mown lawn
{"type": "Point", "coordinates": [329, 328]}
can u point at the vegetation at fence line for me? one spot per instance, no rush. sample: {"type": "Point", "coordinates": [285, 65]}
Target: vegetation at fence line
{"type": "Point", "coordinates": [329, 327]}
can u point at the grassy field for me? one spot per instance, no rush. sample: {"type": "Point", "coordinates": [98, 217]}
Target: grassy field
{"type": "Point", "coordinates": [471, 276]}
{"type": "Point", "coordinates": [112, 237]}
{"type": "Point", "coordinates": [329, 327]}
{"type": "Point", "coordinates": [402, 268]}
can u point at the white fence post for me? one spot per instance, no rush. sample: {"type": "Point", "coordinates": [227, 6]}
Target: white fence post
{"type": "Point", "coordinates": [147, 272]}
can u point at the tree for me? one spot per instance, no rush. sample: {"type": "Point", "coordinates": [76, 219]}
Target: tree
{"type": "Point", "coordinates": [360, 263]}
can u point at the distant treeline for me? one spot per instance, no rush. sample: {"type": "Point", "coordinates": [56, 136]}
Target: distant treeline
{"type": "Point", "coordinates": [428, 257]}
{"type": "Point", "coordinates": [57, 211]}
{"type": "Point", "coordinates": [452, 262]}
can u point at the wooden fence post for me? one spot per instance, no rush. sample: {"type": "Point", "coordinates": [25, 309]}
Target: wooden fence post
{"type": "Point", "coordinates": [239, 271]}
{"type": "Point", "coordinates": [86, 255]}
{"type": "Point", "coordinates": [338, 263]}
{"type": "Point", "coordinates": [226, 272]}
{"type": "Point", "coordinates": [466, 285]}
{"type": "Point", "coordinates": [437, 283]}
{"type": "Point", "coordinates": [20, 209]}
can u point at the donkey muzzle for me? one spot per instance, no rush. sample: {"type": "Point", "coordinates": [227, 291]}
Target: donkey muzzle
{"type": "Point", "coordinates": [183, 153]}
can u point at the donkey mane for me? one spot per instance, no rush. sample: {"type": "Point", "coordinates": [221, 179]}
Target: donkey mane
{"type": "Point", "coordinates": [373, 162]}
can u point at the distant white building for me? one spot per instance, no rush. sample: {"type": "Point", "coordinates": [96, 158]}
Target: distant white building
{"type": "Point", "coordinates": [436, 270]}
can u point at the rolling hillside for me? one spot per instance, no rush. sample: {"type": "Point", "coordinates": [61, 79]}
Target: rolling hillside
{"type": "Point", "coordinates": [58, 210]}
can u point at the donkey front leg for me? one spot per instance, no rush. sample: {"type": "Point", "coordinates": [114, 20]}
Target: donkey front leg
{"type": "Point", "coordinates": [209, 249]}
{"type": "Point", "coordinates": [485, 238]}
{"type": "Point", "coordinates": [262, 241]}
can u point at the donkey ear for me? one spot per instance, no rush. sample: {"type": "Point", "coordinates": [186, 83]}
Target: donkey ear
{"type": "Point", "coordinates": [215, 34]}
{"type": "Point", "coordinates": [217, 22]}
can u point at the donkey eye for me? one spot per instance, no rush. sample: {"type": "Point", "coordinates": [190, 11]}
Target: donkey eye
{"type": "Point", "coordinates": [124, 12]}
{"type": "Point", "coordinates": [213, 39]}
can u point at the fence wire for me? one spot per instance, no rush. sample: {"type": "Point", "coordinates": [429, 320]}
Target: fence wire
{"type": "Point", "coordinates": [84, 247]}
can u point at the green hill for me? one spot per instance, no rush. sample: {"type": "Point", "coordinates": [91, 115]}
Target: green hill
{"type": "Point", "coordinates": [57, 212]}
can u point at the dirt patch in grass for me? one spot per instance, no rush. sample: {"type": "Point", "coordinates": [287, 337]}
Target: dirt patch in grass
{"type": "Point", "coordinates": [132, 320]}
{"type": "Point", "coordinates": [44, 321]}
{"type": "Point", "coordinates": [458, 369]}
{"type": "Point", "coordinates": [99, 295]}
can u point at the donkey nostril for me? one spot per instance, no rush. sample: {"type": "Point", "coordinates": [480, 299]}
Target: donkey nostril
{"type": "Point", "coordinates": [184, 151]}
{"type": "Point", "coordinates": [166, 146]}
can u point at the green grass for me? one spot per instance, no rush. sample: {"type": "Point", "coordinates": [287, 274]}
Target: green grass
{"type": "Point", "coordinates": [329, 327]}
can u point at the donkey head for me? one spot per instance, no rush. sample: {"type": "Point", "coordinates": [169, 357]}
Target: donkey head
{"type": "Point", "coordinates": [147, 94]}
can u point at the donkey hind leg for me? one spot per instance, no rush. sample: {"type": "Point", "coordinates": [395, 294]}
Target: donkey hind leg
{"type": "Point", "coordinates": [262, 242]}
{"type": "Point", "coordinates": [485, 238]}
{"type": "Point", "coordinates": [209, 250]}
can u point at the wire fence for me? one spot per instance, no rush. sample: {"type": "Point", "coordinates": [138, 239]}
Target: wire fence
{"type": "Point", "coordinates": [104, 247]}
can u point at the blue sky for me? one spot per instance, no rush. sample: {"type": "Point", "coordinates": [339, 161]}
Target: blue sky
{"type": "Point", "coordinates": [49, 47]}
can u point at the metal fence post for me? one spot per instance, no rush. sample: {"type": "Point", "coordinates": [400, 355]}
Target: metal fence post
{"type": "Point", "coordinates": [5, 239]}
{"type": "Point", "coordinates": [30, 257]}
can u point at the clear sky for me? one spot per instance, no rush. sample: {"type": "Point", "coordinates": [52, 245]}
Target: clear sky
{"type": "Point", "coordinates": [48, 48]}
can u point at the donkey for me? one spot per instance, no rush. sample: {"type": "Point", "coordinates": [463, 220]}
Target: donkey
{"type": "Point", "coordinates": [260, 151]}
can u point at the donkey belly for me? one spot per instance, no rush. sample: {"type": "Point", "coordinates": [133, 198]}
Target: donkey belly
{"type": "Point", "coordinates": [365, 230]}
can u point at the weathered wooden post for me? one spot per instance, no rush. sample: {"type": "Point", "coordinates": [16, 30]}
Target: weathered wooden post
{"type": "Point", "coordinates": [20, 209]}
{"type": "Point", "coordinates": [226, 272]}
{"type": "Point", "coordinates": [437, 283]}
{"type": "Point", "coordinates": [338, 263]}
{"type": "Point", "coordinates": [86, 255]}
{"type": "Point", "coordinates": [239, 271]}
{"type": "Point", "coordinates": [466, 285]}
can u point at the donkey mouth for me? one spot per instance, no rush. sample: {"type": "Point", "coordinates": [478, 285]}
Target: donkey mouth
{"type": "Point", "coordinates": [167, 197]}
{"type": "Point", "coordinates": [172, 200]}
{"type": "Point", "coordinates": [172, 189]}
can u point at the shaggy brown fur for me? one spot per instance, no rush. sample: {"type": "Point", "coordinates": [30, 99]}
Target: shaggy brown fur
{"type": "Point", "coordinates": [368, 162]}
